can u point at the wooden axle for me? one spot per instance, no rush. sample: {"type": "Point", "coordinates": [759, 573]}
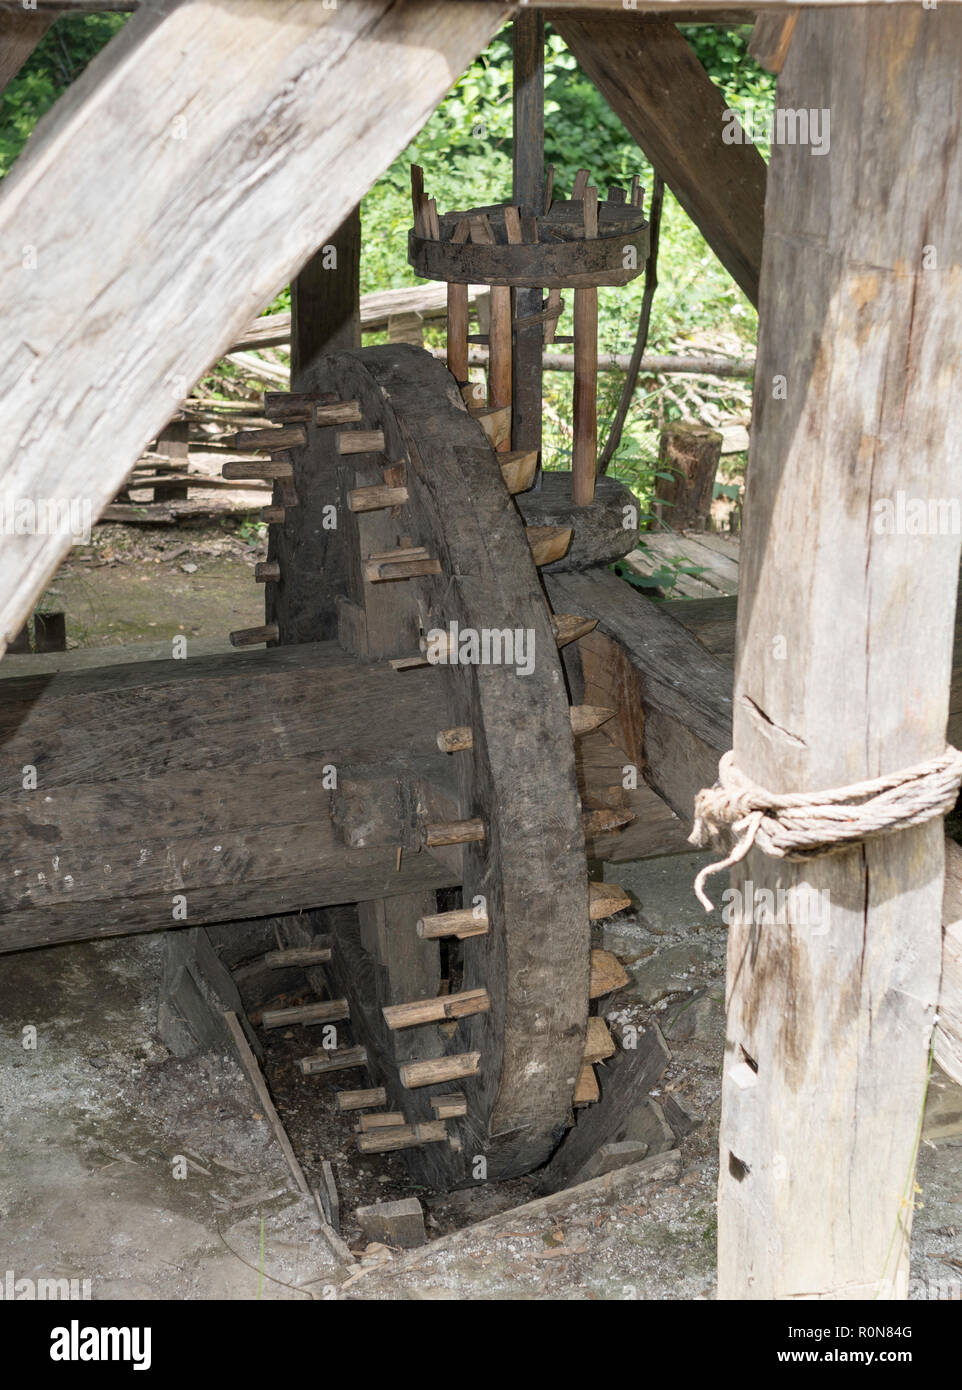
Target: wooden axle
{"type": "Point", "coordinates": [361, 1100]}
{"type": "Point", "coordinates": [455, 832]}
{"type": "Point", "coordinates": [327, 1011]}
{"type": "Point", "coordinates": [360, 441]}
{"type": "Point", "coordinates": [376, 497]}
{"type": "Point", "coordinates": [267, 572]}
{"type": "Point", "coordinates": [403, 1137]}
{"type": "Point", "coordinates": [253, 636]}
{"type": "Point", "coordinates": [341, 1060]}
{"type": "Point", "coordinates": [460, 922]}
{"type": "Point", "coordinates": [437, 1069]}
{"type": "Point", "coordinates": [437, 1010]}
{"type": "Point", "coordinates": [267, 468]}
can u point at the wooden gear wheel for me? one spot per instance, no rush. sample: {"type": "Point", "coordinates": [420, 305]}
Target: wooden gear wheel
{"type": "Point", "coordinates": [392, 520]}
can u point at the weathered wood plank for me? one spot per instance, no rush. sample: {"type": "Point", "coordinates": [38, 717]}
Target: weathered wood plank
{"type": "Point", "coordinates": [325, 302]}
{"type": "Point", "coordinates": [186, 211]}
{"type": "Point", "coordinates": [844, 657]}
{"type": "Point", "coordinates": [651, 78]}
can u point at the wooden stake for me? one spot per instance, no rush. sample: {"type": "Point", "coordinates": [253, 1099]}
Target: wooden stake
{"type": "Point", "coordinates": [338, 413]}
{"type": "Point", "coordinates": [437, 1069]}
{"type": "Point", "coordinates": [580, 185]}
{"type": "Point", "coordinates": [418, 201]}
{"type": "Point", "coordinates": [253, 636]}
{"type": "Point", "coordinates": [408, 562]}
{"type": "Point", "coordinates": [584, 455]}
{"type": "Point", "coordinates": [438, 1010]}
{"type": "Point", "coordinates": [450, 1106]}
{"type": "Point", "coordinates": [268, 468]}
{"type": "Point", "coordinates": [267, 572]}
{"type": "Point", "coordinates": [376, 498]}
{"type": "Point", "coordinates": [605, 899]}
{"type": "Point", "coordinates": [568, 627]}
{"type": "Point", "coordinates": [607, 974]}
{"type": "Point", "coordinates": [586, 718]}
{"type": "Point", "coordinates": [286, 437]}
{"type": "Point", "coordinates": [361, 1100]}
{"type": "Point", "coordinates": [599, 1043]}
{"type": "Point", "coordinates": [519, 468]}
{"type": "Point", "coordinates": [341, 1060]}
{"type": "Point", "coordinates": [456, 832]}
{"type": "Point", "coordinates": [404, 1137]}
{"type": "Point", "coordinates": [461, 922]}
{"type": "Point", "coordinates": [455, 740]}
{"type": "Point", "coordinates": [327, 1011]}
{"type": "Point", "coordinates": [548, 543]}
{"type": "Point", "coordinates": [360, 441]}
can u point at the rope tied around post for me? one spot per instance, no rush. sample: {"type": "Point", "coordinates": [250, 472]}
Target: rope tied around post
{"type": "Point", "coordinates": [807, 825]}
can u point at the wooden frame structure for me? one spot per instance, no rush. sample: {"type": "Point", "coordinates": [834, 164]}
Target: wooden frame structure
{"type": "Point", "coordinates": [233, 172]}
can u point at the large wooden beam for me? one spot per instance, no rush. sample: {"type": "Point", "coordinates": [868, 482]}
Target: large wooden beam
{"type": "Point", "coordinates": [20, 32]}
{"type": "Point", "coordinates": [143, 796]}
{"type": "Point", "coordinates": [652, 80]}
{"type": "Point", "coordinates": [187, 211]}
{"type": "Point", "coordinates": [844, 656]}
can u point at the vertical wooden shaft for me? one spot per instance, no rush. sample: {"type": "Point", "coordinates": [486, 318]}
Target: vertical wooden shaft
{"type": "Point", "coordinates": [528, 196]}
{"type": "Point", "coordinates": [844, 657]}
{"type": "Point", "coordinates": [584, 458]}
{"type": "Point", "coordinates": [458, 332]}
{"type": "Point", "coordinates": [499, 348]}
{"type": "Point", "coordinates": [325, 302]}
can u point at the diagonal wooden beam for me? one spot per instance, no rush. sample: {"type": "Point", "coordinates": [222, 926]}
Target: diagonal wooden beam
{"type": "Point", "coordinates": [20, 32]}
{"type": "Point", "coordinates": [652, 80]}
{"type": "Point", "coordinates": [181, 181]}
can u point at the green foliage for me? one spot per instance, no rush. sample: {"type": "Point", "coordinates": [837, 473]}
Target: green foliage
{"type": "Point", "coordinates": [58, 60]}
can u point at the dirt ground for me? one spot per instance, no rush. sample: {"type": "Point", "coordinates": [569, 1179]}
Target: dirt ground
{"type": "Point", "coordinates": [158, 1177]}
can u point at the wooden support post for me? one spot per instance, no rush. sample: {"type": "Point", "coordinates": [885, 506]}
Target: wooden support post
{"type": "Point", "coordinates": [499, 354]}
{"type": "Point", "coordinates": [584, 453]}
{"type": "Point", "coordinates": [326, 302]}
{"type": "Point", "coordinates": [829, 1020]}
{"type": "Point", "coordinates": [457, 333]}
{"type": "Point", "coordinates": [528, 196]}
